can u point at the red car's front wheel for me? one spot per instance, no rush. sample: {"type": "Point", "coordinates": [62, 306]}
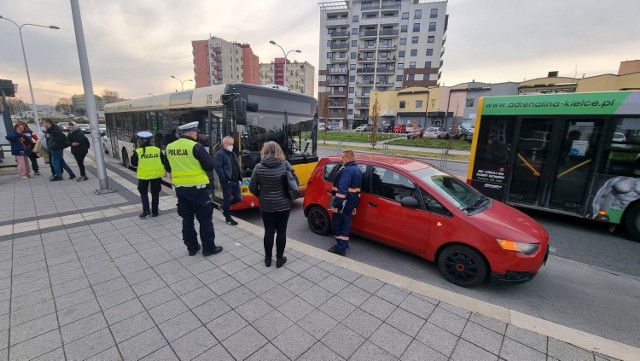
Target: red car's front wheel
{"type": "Point", "coordinates": [462, 265]}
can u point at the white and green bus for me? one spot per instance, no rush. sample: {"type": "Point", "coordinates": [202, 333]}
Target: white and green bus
{"type": "Point", "coordinates": [574, 153]}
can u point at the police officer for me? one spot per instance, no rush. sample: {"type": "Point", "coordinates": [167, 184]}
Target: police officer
{"type": "Point", "coordinates": [150, 162]}
{"type": "Point", "coordinates": [188, 163]}
{"type": "Point", "coordinates": [346, 193]}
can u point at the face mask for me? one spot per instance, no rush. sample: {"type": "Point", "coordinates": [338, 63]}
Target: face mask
{"type": "Point", "coordinates": [230, 148]}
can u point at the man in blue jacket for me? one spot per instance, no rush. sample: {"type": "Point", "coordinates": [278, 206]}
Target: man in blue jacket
{"type": "Point", "coordinates": [228, 169]}
{"type": "Point", "coordinates": [346, 193]}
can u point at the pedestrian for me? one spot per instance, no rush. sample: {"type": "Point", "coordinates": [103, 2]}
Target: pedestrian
{"type": "Point", "coordinates": [228, 170]}
{"type": "Point", "coordinates": [40, 149]}
{"type": "Point", "coordinates": [149, 161]}
{"type": "Point", "coordinates": [33, 157]}
{"type": "Point", "coordinates": [79, 148]}
{"type": "Point", "coordinates": [21, 144]}
{"type": "Point", "coordinates": [56, 142]}
{"type": "Point", "coordinates": [268, 183]}
{"type": "Point", "coordinates": [188, 161]}
{"type": "Point", "coordinates": [346, 193]}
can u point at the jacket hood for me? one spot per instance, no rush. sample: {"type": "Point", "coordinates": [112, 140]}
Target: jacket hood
{"type": "Point", "coordinates": [271, 162]}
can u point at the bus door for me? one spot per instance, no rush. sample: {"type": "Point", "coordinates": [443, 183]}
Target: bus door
{"type": "Point", "coordinates": [553, 163]}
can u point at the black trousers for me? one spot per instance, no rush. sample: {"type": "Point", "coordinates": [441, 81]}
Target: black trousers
{"type": "Point", "coordinates": [194, 203]}
{"type": "Point", "coordinates": [143, 188]}
{"type": "Point", "coordinates": [34, 162]}
{"type": "Point", "coordinates": [80, 160]}
{"type": "Point", "coordinates": [275, 222]}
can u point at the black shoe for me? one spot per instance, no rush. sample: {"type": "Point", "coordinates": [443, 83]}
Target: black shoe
{"type": "Point", "coordinates": [231, 222]}
{"type": "Point", "coordinates": [280, 262]}
{"type": "Point", "coordinates": [54, 179]}
{"type": "Point", "coordinates": [215, 250]}
{"type": "Point", "coordinates": [333, 249]}
{"type": "Point", "coordinates": [267, 262]}
{"type": "Point", "coordinates": [144, 214]}
{"type": "Point", "coordinates": [81, 179]}
{"type": "Point", "coordinates": [155, 214]}
{"type": "Point", "coordinates": [193, 253]}
{"type": "Point", "coordinates": [73, 176]}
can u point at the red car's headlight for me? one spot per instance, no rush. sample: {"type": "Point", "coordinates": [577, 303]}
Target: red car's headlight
{"type": "Point", "coordinates": [524, 248]}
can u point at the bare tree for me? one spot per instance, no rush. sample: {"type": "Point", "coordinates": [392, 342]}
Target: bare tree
{"type": "Point", "coordinates": [375, 116]}
{"type": "Point", "coordinates": [64, 105]}
{"type": "Point", "coordinates": [110, 96]}
{"type": "Point", "coordinates": [324, 111]}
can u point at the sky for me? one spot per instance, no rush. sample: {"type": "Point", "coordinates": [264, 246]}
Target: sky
{"type": "Point", "coordinates": [135, 46]}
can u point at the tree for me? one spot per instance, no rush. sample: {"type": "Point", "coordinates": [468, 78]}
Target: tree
{"type": "Point", "coordinates": [110, 96]}
{"type": "Point", "coordinates": [64, 105]}
{"type": "Point", "coordinates": [324, 111]}
{"type": "Point", "coordinates": [17, 106]}
{"type": "Point", "coordinates": [375, 116]}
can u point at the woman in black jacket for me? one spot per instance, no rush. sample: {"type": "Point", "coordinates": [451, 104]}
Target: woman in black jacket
{"type": "Point", "coordinates": [79, 148]}
{"type": "Point", "coordinates": [268, 183]}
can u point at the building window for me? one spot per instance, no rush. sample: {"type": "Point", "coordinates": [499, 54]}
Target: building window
{"type": "Point", "coordinates": [401, 105]}
{"type": "Point", "coordinates": [427, 64]}
{"type": "Point", "coordinates": [418, 104]}
{"type": "Point", "coordinates": [414, 40]}
{"type": "Point", "coordinates": [352, 78]}
{"type": "Point", "coordinates": [403, 41]}
{"type": "Point", "coordinates": [432, 26]}
{"type": "Point", "coordinates": [411, 77]}
{"type": "Point", "coordinates": [354, 55]}
{"type": "Point", "coordinates": [429, 52]}
{"type": "Point", "coordinates": [354, 31]}
{"type": "Point", "coordinates": [401, 54]}
{"type": "Point", "coordinates": [434, 13]}
{"type": "Point", "coordinates": [354, 43]}
{"type": "Point", "coordinates": [351, 89]}
{"type": "Point", "coordinates": [405, 16]}
{"type": "Point", "coordinates": [398, 77]}
{"type": "Point", "coordinates": [418, 14]}
{"type": "Point", "coordinates": [471, 103]}
{"type": "Point", "coordinates": [343, 54]}
{"type": "Point", "coordinates": [350, 101]}
{"type": "Point", "coordinates": [412, 64]}
{"type": "Point", "coordinates": [400, 65]}
{"type": "Point", "coordinates": [431, 39]}
{"type": "Point", "coordinates": [416, 27]}
{"type": "Point", "coordinates": [330, 55]}
{"type": "Point", "coordinates": [403, 29]}
{"type": "Point", "coordinates": [356, 18]}
{"type": "Point", "coordinates": [352, 67]}
{"type": "Point", "coordinates": [414, 52]}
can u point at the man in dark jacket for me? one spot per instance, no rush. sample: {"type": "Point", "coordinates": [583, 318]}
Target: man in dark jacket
{"type": "Point", "coordinates": [79, 148]}
{"type": "Point", "coordinates": [56, 142]}
{"type": "Point", "coordinates": [228, 169]}
{"type": "Point", "coordinates": [346, 192]}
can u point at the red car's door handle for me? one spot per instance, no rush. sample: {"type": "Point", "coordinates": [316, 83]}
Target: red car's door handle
{"type": "Point", "coordinates": [373, 204]}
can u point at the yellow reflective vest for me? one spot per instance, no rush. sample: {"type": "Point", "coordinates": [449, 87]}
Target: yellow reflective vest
{"type": "Point", "coordinates": [149, 164]}
{"type": "Point", "coordinates": [186, 170]}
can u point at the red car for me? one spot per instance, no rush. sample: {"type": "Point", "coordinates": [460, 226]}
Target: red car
{"type": "Point", "coordinates": [399, 128]}
{"type": "Point", "coordinates": [410, 205]}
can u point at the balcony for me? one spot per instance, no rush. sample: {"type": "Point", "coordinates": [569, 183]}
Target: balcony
{"type": "Point", "coordinates": [337, 94]}
{"type": "Point", "coordinates": [389, 32]}
{"type": "Point", "coordinates": [442, 52]}
{"type": "Point", "coordinates": [216, 58]}
{"type": "Point", "coordinates": [366, 70]}
{"type": "Point", "coordinates": [337, 82]}
{"type": "Point", "coordinates": [390, 20]}
{"type": "Point", "coordinates": [337, 105]}
{"type": "Point", "coordinates": [367, 7]}
{"type": "Point", "coordinates": [369, 33]}
{"type": "Point", "coordinates": [367, 47]}
{"type": "Point", "coordinates": [337, 21]}
{"type": "Point", "coordinates": [367, 60]}
{"type": "Point", "coordinates": [444, 40]}
{"type": "Point", "coordinates": [339, 60]}
{"type": "Point", "coordinates": [339, 34]}
{"type": "Point", "coordinates": [390, 6]}
{"type": "Point", "coordinates": [339, 46]}
{"type": "Point", "coordinates": [337, 71]}
{"type": "Point", "coordinates": [362, 105]}
{"type": "Point", "coordinates": [387, 46]}
{"type": "Point", "coordinates": [387, 60]}
{"type": "Point", "coordinates": [365, 82]}
{"type": "Point", "coordinates": [385, 70]}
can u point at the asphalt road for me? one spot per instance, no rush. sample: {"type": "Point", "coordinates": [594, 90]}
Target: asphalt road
{"type": "Point", "coordinates": [591, 281]}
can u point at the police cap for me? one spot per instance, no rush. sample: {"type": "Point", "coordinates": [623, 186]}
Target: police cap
{"type": "Point", "coordinates": [189, 126]}
{"type": "Point", "coordinates": [145, 135]}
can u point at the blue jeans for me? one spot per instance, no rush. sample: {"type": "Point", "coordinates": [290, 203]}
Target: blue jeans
{"type": "Point", "coordinates": [58, 163]}
{"type": "Point", "coordinates": [229, 190]}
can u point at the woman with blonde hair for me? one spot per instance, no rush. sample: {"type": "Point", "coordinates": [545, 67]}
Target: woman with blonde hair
{"type": "Point", "coordinates": [268, 182]}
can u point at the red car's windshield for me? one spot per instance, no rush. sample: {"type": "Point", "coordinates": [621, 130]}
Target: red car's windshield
{"type": "Point", "coordinates": [456, 191]}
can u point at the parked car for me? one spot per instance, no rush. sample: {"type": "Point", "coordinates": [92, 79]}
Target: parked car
{"type": "Point", "coordinates": [469, 136]}
{"type": "Point", "coordinates": [385, 128]}
{"type": "Point", "coordinates": [416, 133]}
{"type": "Point", "coordinates": [410, 205]}
{"type": "Point", "coordinates": [400, 128]}
{"type": "Point", "coordinates": [363, 128]}
{"type": "Point", "coordinates": [64, 126]}
{"type": "Point", "coordinates": [322, 127]}
{"type": "Point", "coordinates": [619, 137]}
{"type": "Point", "coordinates": [86, 129]}
{"type": "Point", "coordinates": [103, 129]}
{"type": "Point", "coordinates": [435, 132]}
{"type": "Point", "coordinates": [457, 132]}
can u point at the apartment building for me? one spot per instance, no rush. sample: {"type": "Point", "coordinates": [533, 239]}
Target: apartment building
{"type": "Point", "coordinates": [377, 45]}
{"type": "Point", "coordinates": [300, 76]}
{"type": "Point", "coordinates": [217, 61]}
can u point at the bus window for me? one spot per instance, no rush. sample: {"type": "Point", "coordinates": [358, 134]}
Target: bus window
{"type": "Point", "coordinates": [494, 140]}
{"type": "Point", "coordinates": [623, 156]}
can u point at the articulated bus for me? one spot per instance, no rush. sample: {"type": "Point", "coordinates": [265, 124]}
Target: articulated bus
{"type": "Point", "coordinates": [574, 153]}
{"type": "Point", "coordinates": [251, 114]}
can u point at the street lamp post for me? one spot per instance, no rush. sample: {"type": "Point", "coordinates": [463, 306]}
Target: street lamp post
{"type": "Point", "coordinates": [181, 81]}
{"type": "Point", "coordinates": [286, 53]}
{"type": "Point", "coordinates": [24, 54]}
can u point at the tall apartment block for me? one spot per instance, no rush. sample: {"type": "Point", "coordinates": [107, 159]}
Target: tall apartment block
{"type": "Point", "coordinates": [376, 45]}
{"type": "Point", "coordinates": [300, 76]}
{"type": "Point", "coordinates": [217, 61]}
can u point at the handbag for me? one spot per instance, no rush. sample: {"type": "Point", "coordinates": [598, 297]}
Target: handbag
{"type": "Point", "coordinates": [291, 186]}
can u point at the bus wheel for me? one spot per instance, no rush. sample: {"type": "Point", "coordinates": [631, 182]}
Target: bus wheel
{"type": "Point", "coordinates": [462, 265]}
{"type": "Point", "coordinates": [125, 159]}
{"type": "Point", "coordinates": [632, 221]}
{"type": "Point", "coordinates": [318, 220]}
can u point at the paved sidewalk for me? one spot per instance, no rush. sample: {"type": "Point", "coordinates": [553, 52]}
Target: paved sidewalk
{"type": "Point", "coordinates": [82, 277]}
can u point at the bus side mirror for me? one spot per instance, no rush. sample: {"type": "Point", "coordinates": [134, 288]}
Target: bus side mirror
{"type": "Point", "coordinates": [240, 111]}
